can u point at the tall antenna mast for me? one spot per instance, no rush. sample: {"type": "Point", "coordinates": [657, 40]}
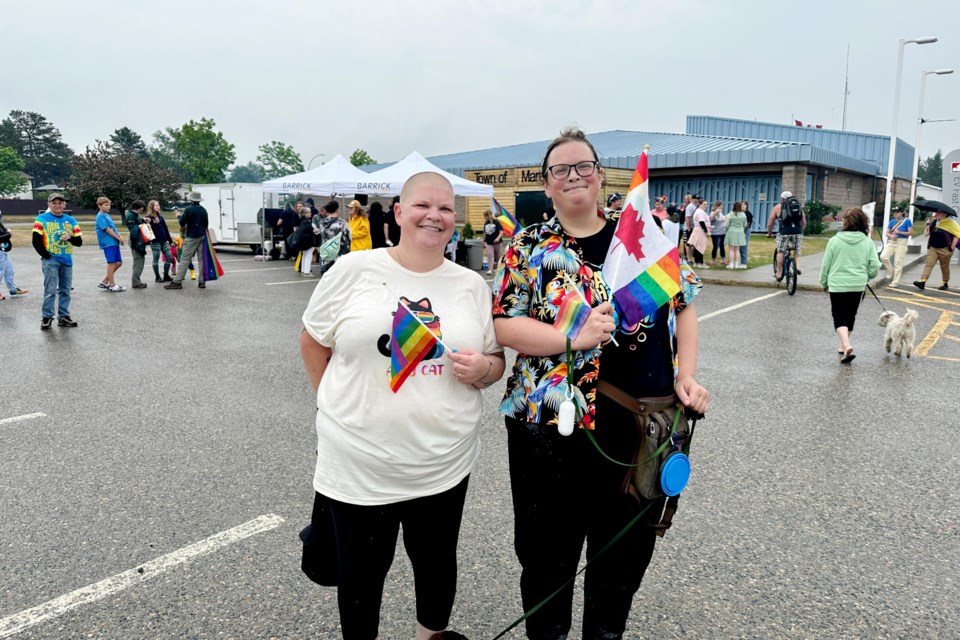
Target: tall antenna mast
{"type": "Point", "coordinates": [846, 90]}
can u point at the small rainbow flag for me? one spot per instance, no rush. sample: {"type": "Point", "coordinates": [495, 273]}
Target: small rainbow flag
{"type": "Point", "coordinates": [410, 343]}
{"type": "Point", "coordinates": [509, 224]}
{"type": "Point", "coordinates": [572, 315]}
{"type": "Point", "coordinates": [642, 266]}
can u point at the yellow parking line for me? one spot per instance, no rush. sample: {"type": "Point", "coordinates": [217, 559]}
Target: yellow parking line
{"type": "Point", "coordinates": [944, 358]}
{"type": "Point", "coordinates": [913, 302]}
{"type": "Point", "coordinates": [947, 336]}
{"type": "Point", "coordinates": [935, 334]}
{"type": "Point", "coordinates": [929, 298]}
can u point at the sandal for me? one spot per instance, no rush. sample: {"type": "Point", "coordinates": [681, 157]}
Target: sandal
{"type": "Point", "coordinates": [848, 356]}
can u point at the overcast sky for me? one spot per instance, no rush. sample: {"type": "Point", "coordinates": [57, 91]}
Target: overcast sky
{"type": "Point", "coordinates": [392, 76]}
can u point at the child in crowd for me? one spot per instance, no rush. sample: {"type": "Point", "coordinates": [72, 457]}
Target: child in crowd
{"type": "Point", "coordinates": [109, 240]}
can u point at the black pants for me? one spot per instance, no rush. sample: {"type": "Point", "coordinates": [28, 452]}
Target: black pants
{"type": "Point", "coordinates": [367, 541]}
{"type": "Point", "coordinates": [565, 493]}
{"type": "Point", "coordinates": [844, 306]}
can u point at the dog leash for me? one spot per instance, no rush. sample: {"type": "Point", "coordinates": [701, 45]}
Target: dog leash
{"type": "Point", "coordinates": [875, 297]}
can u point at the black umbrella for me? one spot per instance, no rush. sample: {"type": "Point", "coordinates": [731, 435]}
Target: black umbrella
{"type": "Point", "coordinates": [933, 206]}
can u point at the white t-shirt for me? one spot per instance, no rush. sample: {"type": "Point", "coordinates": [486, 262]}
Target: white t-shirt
{"type": "Point", "coordinates": [379, 447]}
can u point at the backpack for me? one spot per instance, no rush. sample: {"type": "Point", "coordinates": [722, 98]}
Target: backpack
{"type": "Point", "coordinates": [790, 212]}
{"type": "Point", "coordinates": [5, 236]}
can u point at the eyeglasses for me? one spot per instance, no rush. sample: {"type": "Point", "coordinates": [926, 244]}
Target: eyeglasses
{"type": "Point", "coordinates": [584, 169]}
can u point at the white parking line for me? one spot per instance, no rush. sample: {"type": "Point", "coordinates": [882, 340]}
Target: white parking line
{"type": "Point", "coordinates": [740, 306]}
{"type": "Point", "coordinates": [252, 270]}
{"type": "Point", "coordinates": [28, 416]}
{"type": "Point", "coordinates": [313, 280]}
{"type": "Point", "coordinates": [57, 607]}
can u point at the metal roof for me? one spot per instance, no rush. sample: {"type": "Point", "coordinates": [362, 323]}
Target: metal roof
{"type": "Point", "coordinates": [621, 149]}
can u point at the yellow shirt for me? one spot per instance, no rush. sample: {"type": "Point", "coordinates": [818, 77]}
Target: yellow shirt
{"type": "Point", "coordinates": [360, 233]}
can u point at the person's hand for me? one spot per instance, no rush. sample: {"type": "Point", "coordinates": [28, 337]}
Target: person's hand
{"type": "Point", "coordinates": [121, 241]}
{"type": "Point", "coordinates": [826, 290]}
{"type": "Point", "coordinates": [598, 328]}
{"type": "Point", "coordinates": [692, 395]}
{"type": "Point", "coordinates": [769, 234]}
{"type": "Point", "coordinates": [470, 366]}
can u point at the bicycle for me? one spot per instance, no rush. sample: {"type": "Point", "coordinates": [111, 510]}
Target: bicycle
{"type": "Point", "coordinates": [789, 266]}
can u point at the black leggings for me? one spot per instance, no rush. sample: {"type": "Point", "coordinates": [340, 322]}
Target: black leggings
{"type": "Point", "coordinates": [717, 244]}
{"type": "Point", "coordinates": [367, 541]}
{"type": "Point", "coordinates": [844, 306]}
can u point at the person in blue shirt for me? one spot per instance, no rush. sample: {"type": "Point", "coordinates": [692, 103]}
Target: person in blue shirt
{"type": "Point", "coordinates": [109, 240]}
{"type": "Point", "coordinates": [55, 234]}
{"type": "Point", "coordinates": [898, 234]}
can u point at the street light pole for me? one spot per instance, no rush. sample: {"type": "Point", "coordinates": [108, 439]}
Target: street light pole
{"type": "Point", "coordinates": [319, 155]}
{"type": "Point", "coordinates": [893, 130]}
{"type": "Point", "coordinates": [916, 149]}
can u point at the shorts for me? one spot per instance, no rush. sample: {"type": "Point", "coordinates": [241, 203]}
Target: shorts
{"type": "Point", "coordinates": [112, 254]}
{"type": "Point", "coordinates": [795, 239]}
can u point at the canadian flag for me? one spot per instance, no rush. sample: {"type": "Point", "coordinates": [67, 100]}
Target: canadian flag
{"type": "Point", "coordinates": [808, 126]}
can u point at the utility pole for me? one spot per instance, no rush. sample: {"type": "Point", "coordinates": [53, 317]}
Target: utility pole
{"type": "Point", "coordinates": [846, 90]}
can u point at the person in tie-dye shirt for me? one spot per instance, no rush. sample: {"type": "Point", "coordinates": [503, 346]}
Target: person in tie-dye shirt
{"type": "Point", "coordinates": [55, 234]}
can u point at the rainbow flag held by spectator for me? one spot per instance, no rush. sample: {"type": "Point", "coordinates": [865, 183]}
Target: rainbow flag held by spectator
{"type": "Point", "coordinates": [642, 267]}
{"type": "Point", "coordinates": [209, 262]}
{"type": "Point", "coordinates": [410, 342]}
{"type": "Point", "coordinates": [509, 224]}
{"type": "Point", "coordinates": [572, 315]}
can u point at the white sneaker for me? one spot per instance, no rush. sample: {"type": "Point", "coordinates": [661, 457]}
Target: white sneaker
{"type": "Point", "coordinates": [116, 288]}
{"type": "Point", "coordinates": [732, 266]}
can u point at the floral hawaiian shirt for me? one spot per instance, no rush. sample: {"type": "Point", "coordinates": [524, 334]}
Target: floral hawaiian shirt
{"type": "Point", "coordinates": [530, 282]}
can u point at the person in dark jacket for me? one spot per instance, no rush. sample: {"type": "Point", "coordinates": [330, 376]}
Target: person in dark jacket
{"type": "Point", "coordinates": [193, 228]}
{"type": "Point", "coordinates": [390, 228]}
{"type": "Point", "coordinates": [160, 245]}
{"type": "Point", "coordinates": [131, 218]}
{"type": "Point", "coordinates": [377, 235]}
{"type": "Point", "coordinates": [288, 220]}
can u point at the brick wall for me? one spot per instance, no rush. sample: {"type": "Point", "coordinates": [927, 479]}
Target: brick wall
{"type": "Point", "coordinates": [847, 189]}
{"type": "Point", "coordinates": [794, 179]}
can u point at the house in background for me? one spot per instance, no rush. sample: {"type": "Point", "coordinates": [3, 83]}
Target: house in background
{"type": "Point", "coordinates": [26, 192]}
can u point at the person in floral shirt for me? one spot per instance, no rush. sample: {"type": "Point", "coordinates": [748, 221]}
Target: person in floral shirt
{"type": "Point", "coordinates": [564, 491]}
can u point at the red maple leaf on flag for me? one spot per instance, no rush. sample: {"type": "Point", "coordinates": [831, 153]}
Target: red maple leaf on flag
{"type": "Point", "coordinates": [630, 231]}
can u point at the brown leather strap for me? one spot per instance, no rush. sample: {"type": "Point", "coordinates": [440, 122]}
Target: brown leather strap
{"type": "Point", "coordinates": [639, 406]}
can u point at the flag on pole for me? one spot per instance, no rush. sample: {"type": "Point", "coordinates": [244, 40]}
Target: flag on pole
{"type": "Point", "coordinates": [642, 266]}
{"type": "Point", "coordinates": [208, 261]}
{"type": "Point", "coordinates": [572, 315]}
{"type": "Point", "coordinates": [410, 342]}
{"type": "Point", "coordinates": [509, 224]}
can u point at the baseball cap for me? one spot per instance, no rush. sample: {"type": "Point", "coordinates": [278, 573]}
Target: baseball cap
{"type": "Point", "coordinates": [896, 207]}
{"type": "Point", "coordinates": [55, 196]}
{"type": "Point", "coordinates": [786, 194]}
{"type": "Point", "coordinates": [612, 197]}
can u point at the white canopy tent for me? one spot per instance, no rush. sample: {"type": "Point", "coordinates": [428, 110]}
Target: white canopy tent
{"type": "Point", "coordinates": [334, 177]}
{"type": "Point", "coordinates": [389, 180]}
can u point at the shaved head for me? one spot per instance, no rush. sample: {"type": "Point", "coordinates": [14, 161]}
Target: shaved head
{"type": "Point", "coordinates": [424, 177]}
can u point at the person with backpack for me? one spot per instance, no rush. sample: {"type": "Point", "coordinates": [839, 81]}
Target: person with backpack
{"type": "Point", "coordinates": [793, 220]}
{"type": "Point", "coordinates": [334, 239]}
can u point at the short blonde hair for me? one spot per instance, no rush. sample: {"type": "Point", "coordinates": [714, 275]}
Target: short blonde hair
{"type": "Point", "coordinates": [102, 199]}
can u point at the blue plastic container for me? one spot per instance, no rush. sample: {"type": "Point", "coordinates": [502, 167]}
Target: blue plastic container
{"type": "Point", "coordinates": [675, 473]}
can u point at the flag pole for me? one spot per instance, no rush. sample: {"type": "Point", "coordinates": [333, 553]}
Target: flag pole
{"type": "Point", "coordinates": [417, 318]}
{"type": "Point", "coordinates": [567, 283]}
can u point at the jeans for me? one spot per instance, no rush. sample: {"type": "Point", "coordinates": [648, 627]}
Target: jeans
{"type": "Point", "coordinates": [743, 249]}
{"type": "Point", "coordinates": [191, 247]}
{"type": "Point", "coordinates": [161, 248]}
{"type": "Point", "coordinates": [6, 271]}
{"type": "Point", "coordinates": [57, 278]}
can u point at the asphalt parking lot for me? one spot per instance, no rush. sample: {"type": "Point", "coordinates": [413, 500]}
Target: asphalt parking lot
{"type": "Point", "coordinates": [175, 435]}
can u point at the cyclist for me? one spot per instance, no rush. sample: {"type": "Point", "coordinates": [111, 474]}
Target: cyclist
{"type": "Point", "coordinates": [793, 220]}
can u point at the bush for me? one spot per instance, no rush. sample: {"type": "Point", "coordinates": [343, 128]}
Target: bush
{"type": "Point", "coordinates": [816, 211]}
{"type": "Point", "coordinates": [468, 232]}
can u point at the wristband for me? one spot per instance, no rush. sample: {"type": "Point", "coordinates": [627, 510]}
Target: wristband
{"type": "Point", "coordinates": [483, 380]}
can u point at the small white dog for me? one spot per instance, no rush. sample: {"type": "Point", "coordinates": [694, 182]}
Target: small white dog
{"type": "Point", "coordinates": [901, 332]}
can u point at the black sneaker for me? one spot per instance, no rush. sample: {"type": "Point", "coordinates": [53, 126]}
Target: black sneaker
{"type": "Point", "coordinates": [943, 287]}
{"type": "Point", "coordinates": [202, 285]}
{"type": "Point", "coordinates": [158, 279]}
{"type": "Point", "coordinates": [919, 284]}
{"type": "Point", "coordinates": [46, 323]}
{"type": "Point", "coordinates": [140, 285]}
{"type": "Point", "coordinates": [173, 285]}
{"type": "Point", "coordinates": [65, 321]}
{"type": "Point", "coordinates": [167, 279]}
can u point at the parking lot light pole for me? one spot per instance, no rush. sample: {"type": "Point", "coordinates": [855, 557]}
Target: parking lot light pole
{"type": "Point", "coordinates": [916, 149]}
{"type": "Point", "coordinates": [319, 155]}
{"type": "Point", "coordinates": [893, 131]}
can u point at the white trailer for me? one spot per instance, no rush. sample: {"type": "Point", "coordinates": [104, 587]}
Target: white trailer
{"type": "Point", "coordinates": [235, 211]}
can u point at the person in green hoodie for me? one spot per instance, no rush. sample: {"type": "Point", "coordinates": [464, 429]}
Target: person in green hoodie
{"type": "Point", "coordinates": [849, 263]}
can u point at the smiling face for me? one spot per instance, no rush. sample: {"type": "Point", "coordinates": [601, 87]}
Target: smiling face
{"type": "Point", "coordinates": [426, 212]}
{"type": "Point", "coordinates": [574, 194]}
{"type": "Point", "coordinates": [57, 206]}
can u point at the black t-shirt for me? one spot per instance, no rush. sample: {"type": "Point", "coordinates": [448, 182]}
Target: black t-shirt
{"type": "Point", "coordinates": [490, 231]}
{"type": "Point", "coordinates": [376, 229]}
{"type": "Point", "coordinates": [642, 365]}
{"type": "Point", "coordinates": [393, 229]}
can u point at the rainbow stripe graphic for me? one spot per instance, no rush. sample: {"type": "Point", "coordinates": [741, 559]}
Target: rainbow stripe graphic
{"type": "Point", "coordinates": [572, 315]}
{"type": "Point", "coordinates": [642, 266]}
{"type": "Point", "coordinates": [410, 343]}
{"type": "Point", "coordinates": [509, 224]}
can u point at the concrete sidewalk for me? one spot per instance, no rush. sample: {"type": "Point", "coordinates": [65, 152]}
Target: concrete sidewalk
{"type": "Point", "coordinates": [808, 280]}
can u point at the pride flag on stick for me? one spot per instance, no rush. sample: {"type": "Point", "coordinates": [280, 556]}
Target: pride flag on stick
{"type": "Point", "coordinates": [209, 262]}
{"type": "Point", "coordinates": [573, 312]}
{"type": "Point", "coordinates": [510, 225]}
{"type": "Point", "coordinates": [410, 342]}
{"type": "Point", "coordinates": [642, 266]}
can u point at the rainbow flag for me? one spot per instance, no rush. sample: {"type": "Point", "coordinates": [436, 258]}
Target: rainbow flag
{"type": "Point", "coordinates": [572, 315]}
{"type": "Point", "coordinates": [208, 261]}
{"type": "Point", "coordinates": [410, 342]}
{"type": "Point", "coordinates": [642, 266]}
{"type": "Point", "coordinates": [509, 224]}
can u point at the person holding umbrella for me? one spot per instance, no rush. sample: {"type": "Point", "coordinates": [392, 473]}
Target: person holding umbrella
{"type": "Point", "coordinates": [943, 233]}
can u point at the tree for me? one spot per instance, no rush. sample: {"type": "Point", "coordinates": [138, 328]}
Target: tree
{"type": "Point", "coordinates": [931, 170]}
{"type": "Point", "coordinates": [11, 180]}
{"type": "Point", "coordinates": [359, 157]}
{"type": "Point", "coordinates": [278, 160]}
{"type": "Point", "coordinates": [126, 140]}
{"type": "Point", "coordinates": [45, 156]}
{"type": "Point", "coordinates": [197, 152]}
{"type": "Point", "coordinates": [250, 172]}
{"type": "Point", "coordinates": [121, 177]}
